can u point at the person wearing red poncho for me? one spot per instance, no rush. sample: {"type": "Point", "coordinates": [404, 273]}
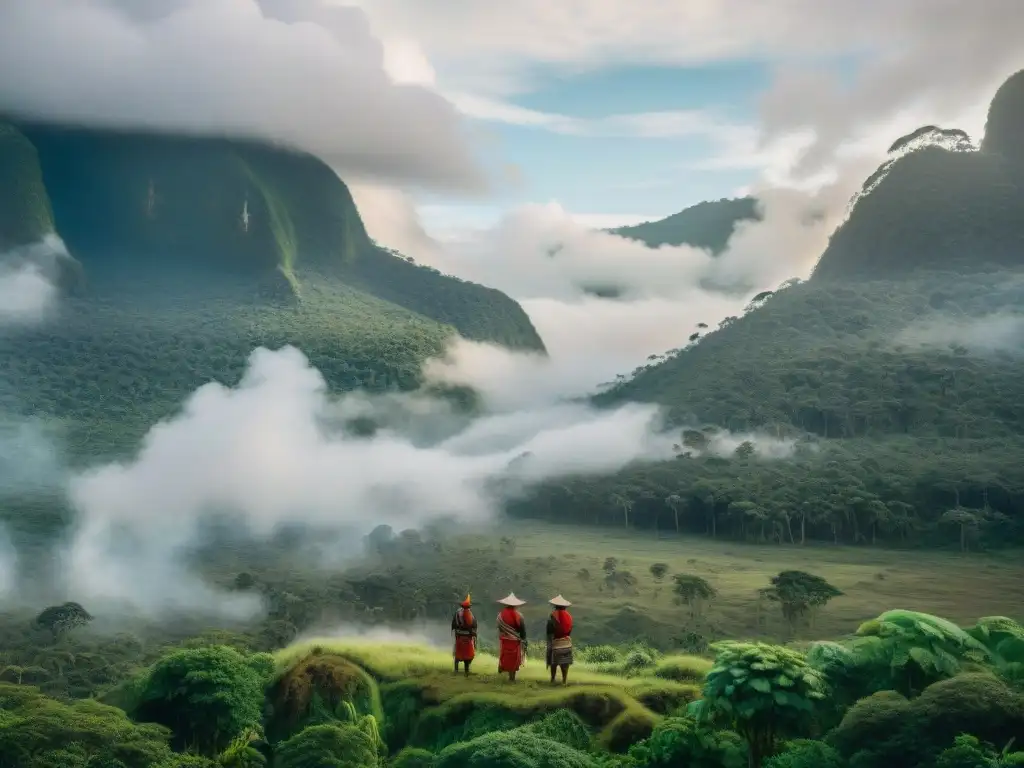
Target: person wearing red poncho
{"type": "Point", "coordinates": [511, 636]}
{"type": "Point", "coordinates": [559, 629]}
{"type": "Point", "coordinates": [464, 628]}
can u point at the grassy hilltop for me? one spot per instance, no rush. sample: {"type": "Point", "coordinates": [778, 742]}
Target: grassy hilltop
{"type": "Point", "coordinates": [194, 251]}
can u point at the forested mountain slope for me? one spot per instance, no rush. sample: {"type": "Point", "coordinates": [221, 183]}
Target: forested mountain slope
{"type": "Point", "coordinates": [187, 254]}
{"type": "Point", "coordinates": [238, 210]}
{"type": "Point", "coordinates": [936, 355]}
{"type": "Point", "coordinates": [707, 225]}
{"type": "Point", "coordinates": [882, 410]}
{"type": "Point", "coordinates": [939, 207]}
{"type": "Point", "coordinates": [890, 383]}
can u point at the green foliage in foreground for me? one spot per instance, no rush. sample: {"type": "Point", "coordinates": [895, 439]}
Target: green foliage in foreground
{"type": "Point", "coordinates": [763, 692]}
{"type": "Point", "coordinates": [206, 696]}
{"type": "Point", "coordinates": [373, 704]}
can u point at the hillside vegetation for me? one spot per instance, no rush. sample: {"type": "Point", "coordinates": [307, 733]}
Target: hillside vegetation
{"type": "Point", "coordinates": [245, 212]}
{"type": "Point", "coordinates": [707, 225]}
{"type": "Point", "coordinates": [940, 207]}
{"type": "Point", "coordinates": [907, 688]}
{"type": "Point", "coordinates": [878, 401]}
{"type": "Point", "coordinates": [195, 251]}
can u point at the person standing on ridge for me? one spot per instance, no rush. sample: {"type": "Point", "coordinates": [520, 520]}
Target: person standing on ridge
{"type": "Point", "coordinates": [559, 652]}
{"type": "Point", "coordinates": [464, 629]}
{"type": "Point", "coordinates": [511, 636]}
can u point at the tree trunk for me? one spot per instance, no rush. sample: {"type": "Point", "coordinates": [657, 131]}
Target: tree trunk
{"type": "Point", "coordinates": [675, 512]}
{"type": "Point", "coordinates": [714, 525]}
{"type": "Point", "coordinates": [789, 529]}
{"type": "Point", "coordinates": [803, 528]}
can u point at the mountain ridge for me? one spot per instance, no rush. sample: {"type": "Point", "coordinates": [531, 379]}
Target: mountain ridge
{"type": "Point", "coordinates": [236, 210]}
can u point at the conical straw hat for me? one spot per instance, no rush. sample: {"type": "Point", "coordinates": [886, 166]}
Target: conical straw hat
{"type": "Point", "coordinates": [560, 601]}
{"type": "Point", "coordinates": [511, 600]}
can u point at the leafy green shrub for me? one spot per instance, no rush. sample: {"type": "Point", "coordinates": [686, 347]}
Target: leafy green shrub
{"type": "Point", "coordinates": [967, 752]}
{"type": "Point", "coordinates": [412, 757]}
{"type": "Point", "coordinates": [682, 741]}
{"type": "Point", "coordinates": [33, 725]}
{"type": "Point", "coordinates": [206, 696]}
{"type": "Point", "coordinates": [565, 727]}
{"type": "Point", "coordinates": [888, 729]}
{"type": "Point", "coordinates": [339, 746]}
{"type": "Point", "coordinates": [683, 668]}
{"type": "Point", "coordinates": [909, 650]}
{"type": "Point", "coordinates": [763, 692]}
{"type": "Point", "coordinates": [637, 660]}
{"type": "Point", "coordinates": [185, 761]}
{"type": "Point", "coordinates": [466, 716]}
{"type": "Point", "coordinates": [517, 748]}
{"type": "Point", "coordinates": [601, 654]}
{"type": "Point", "coordinates": [630, 726]}
{"type": "Point", "coordinates": [805, 753]}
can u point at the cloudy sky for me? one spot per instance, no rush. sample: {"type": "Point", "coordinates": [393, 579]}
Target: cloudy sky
{"type": "Point", "coordinates": [619, 111]}
{"type": "Point", "coordinates": [625, 111]}
{"type": "Point", "coordinates": [476, 135]}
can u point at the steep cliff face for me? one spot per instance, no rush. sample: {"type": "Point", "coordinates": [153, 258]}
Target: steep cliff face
{"type": "Point", "coordinates": [25, 214]}
{"type": "Point", "coordinates": [184, 211]}
{"type": "Point", "coordinates": [27, 232]}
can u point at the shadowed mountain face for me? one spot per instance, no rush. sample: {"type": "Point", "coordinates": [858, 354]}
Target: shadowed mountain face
{"type": "Point", "coordinates": [707, 225]}
{"type": "Point", "coordinates": [175, 214]}
{"type": "Point", "coordinates": [186, 254]}
{"type": "Point", "coordinates": [911, 323]}
{"type": "Point", "coordinates": [940, 207]}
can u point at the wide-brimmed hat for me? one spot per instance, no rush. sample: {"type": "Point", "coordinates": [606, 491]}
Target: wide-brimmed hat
{"type": "Point", "coordinates": [467, 602]}
{"type": "Point", "coordinates": [512, 600]}
{"type": "Point", "coordinates": [559, 602]}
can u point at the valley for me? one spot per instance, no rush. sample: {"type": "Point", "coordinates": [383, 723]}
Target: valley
{"type": "Point", "coordinates": [238, 514]}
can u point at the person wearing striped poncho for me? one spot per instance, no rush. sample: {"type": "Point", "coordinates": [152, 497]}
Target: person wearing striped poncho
{"type": "Point", "coordinates": [559, 651]}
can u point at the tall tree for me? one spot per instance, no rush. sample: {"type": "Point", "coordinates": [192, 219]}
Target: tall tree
{"type": "Point", "coordinates": [764, 692]}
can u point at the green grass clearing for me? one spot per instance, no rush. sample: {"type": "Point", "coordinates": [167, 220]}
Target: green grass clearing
{"type": "Point", "coordinates": [962, 588]}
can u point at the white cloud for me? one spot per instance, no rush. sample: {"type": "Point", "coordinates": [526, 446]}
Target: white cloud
{"type": "Point", "coordinates": [25, 294]}
{"type": "Point", "coordinates": [545, 257]}
{"type": "Point", "coordinates": [272, 451]}
{"type": "Point", "coordinates": [299, 72]}
{"type": "Point", "coordinates": [997, 332]}
{"type": "Point", "coordinates": [28, 281]}
{"type": "Point", "coordinates": [515, 36]}
{"type": "Point", "coordinates": [8, 564]}
{"type": "Point", "coordinates": [663, 124]}
{"type": "Point", "coordinates": [905, 65]}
